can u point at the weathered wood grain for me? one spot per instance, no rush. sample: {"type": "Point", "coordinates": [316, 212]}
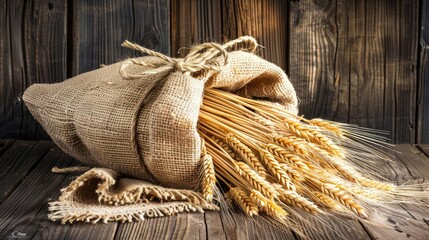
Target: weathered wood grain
{"type": "Point", "coordinates": [423, 76]}
{"type": "Point", "coordinates": [355, 61]}
{"type": "Point", "coordinates": [214, 225]}
{"type": "Point", "coordinates": [403, 219]}
{"type": "Point", "coordinates": [328, 227]}
{"type": "Point", "coordinates": [415, 161]}
{"type": "Point", "coordinates": [194, 21]}
{"type": "Point", "coordinates": [85, 231]}
{"type": "Point", "coordinates": [14, 169]}
{"type": "Point", "coordinates": [182, 226]}
{"type": "Point", "coordinates": [23, 204]}
{"type": "Point", "coordinates": [313, 34]}
{"type": "Point", "coordinates": [199, 21]}
{"type": "Point", "coordinates": [424, 148]}
{"type": "Point", "coordinates": [47, 229]}
{"type": "Point", "coordinates": [25, 209]}
{"type": "Point", "coordinates": [32, 50]}
{"type": "Point", "coordinates": [99, 28]}
{"type": "Point", "coordinates": [237, 226]}
{"type": "Point", "coordinates": [5, 144]}
{"type": "Point", "coordinates": [267, 21]}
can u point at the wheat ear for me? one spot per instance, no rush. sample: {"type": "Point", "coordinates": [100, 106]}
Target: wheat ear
{"type": "Point", "coordinates": [245, 153]}
{"type": "Point", "coordinates": [293, 174]}
{"type": "Point", "coordinates": [325, 200]}
{"type": "Point", "coordinates": [268, 205]}
{"type": "Point", "coordinates": [276, 170]}
{"type": "Point", "coordinates": [326, 125]}
{"type": "Point", "coordinates": [293, 198]}
{"type": "Point", "coordinates": [254, 179]}
{"type": "Point", "coordinates": [289, 142]}
{"type": "Point", "coordinates": [224, 146]}
{"type": "Point", "coordinates": [243, 201]}
{"type": "Point", "coordinates": [313, 136]}
{"type": "Point", "coordinates": [261, 120]}
{"type": "Point", "coordinates": [345, 199]}
{"type": "Point", "coordinates": [375, 184]}
{"type": "Point", "coordinates": [209, 175]}
{"type": "Point", "coordinates": [288, 157]}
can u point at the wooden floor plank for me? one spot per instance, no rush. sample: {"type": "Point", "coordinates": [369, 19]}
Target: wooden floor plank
{"type": "Point", "coordinates": [25, 209]}
{"type": "Point", "coordinates": [329, 227]}
{"type": "Point", "coordinates": [48, 229]}
{"type": "Point", "coordinates": [145, 230]}
{"type": "Point", "coordinates": [404, 221]}
{"type": "Point", "coordinates": [416, 162]}
{"type": "Point", "coordinates": [17, 161]}
{"type": "Point", "coordinates": [36, 224]}
{"type": "Point", "coordinates": [237, 226]}
{"type": "Point", "coordinates": [42, 228]}
{"type": "Point", "coordinates": [190, 226]}
{"type": "Point", "coordinates": [20, 208]}
{"type": "Point", "coordinates": [87, 231]}
{"type": "Point", "coordinates": [5, 144]}
{"type": "Point", "coordinates": [214, 226]}
{"type": "Point", "coordinates": [424, 147]}
{"type": "Point", "coordinates": [182, 226]}
{"type": "Point", "coordinates": [397, 227]}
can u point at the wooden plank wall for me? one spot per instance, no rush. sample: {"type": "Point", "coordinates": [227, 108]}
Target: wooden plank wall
{"type": "Point", "coordinates": [357, 61]}
{"type": "Point", "coordinates": [423, 77]}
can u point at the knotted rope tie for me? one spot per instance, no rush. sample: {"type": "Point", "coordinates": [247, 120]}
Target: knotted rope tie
{"type": "Point", "coordinates": [200, 58]}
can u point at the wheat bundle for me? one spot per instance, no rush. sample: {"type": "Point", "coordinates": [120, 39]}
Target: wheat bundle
{"type": "Point", "coordinates": [173, 134]}
{"type": "Point", "coordinates": [269, 157]}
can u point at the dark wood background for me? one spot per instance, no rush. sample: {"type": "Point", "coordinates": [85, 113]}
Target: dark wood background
{"type": "Point", "coordinates": [356, 61]}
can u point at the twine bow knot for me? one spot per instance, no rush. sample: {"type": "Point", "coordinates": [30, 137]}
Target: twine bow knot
{"type": "Point", "coordinates": [200, 58]}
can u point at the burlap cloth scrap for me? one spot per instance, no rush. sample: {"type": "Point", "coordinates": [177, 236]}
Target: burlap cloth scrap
{"type": "Point", "coordinates": [101, 194]}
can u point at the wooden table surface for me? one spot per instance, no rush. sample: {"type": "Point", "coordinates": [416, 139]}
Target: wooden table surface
{"type": "Point", "coordinates": [27, 185]}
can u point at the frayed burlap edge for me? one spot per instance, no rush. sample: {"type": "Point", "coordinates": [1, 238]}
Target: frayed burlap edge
{"type": "Point", "coordinates": [101, 194]}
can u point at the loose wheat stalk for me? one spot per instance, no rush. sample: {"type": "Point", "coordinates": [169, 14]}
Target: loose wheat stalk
{"type": "Point", "coordinates": [209, 175]}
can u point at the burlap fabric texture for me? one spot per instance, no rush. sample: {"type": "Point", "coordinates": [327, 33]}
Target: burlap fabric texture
{"type": "Point", "coordinates": [137, 119]}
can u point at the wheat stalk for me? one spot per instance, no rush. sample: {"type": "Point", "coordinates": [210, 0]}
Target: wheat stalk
{"type": "Point", "coordinates": [326, 125]}
{"type": "Point", "coordinates": [293, 198]}
{"type": "Point", "coordinates": [245, 153]}
{"type": "Point", "coordinates": [341, 196]}
{"type": "Point", "coordinates": [224, 145]}
{"type": "Point", "coordinates": [274, 167]}
{"type": "Point", "coordinates": [209, 177]}
{"type": "Point", "coordinates": [243, 200]}
{"type": "Point", "coordinates": [255, 179]}
{"type": "Point", "coordinates": [267, 205]}
{"type": "Point", "coordinates": [288, 157]}
{"type": "Point", "coordinates": [313, 136]}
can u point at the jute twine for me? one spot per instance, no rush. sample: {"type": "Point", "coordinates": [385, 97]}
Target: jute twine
{"type": "Point", "coordinates": [200, 58]}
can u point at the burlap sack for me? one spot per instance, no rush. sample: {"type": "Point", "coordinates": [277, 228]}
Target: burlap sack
{"type": "Point", "coordinates": [139, 116]}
